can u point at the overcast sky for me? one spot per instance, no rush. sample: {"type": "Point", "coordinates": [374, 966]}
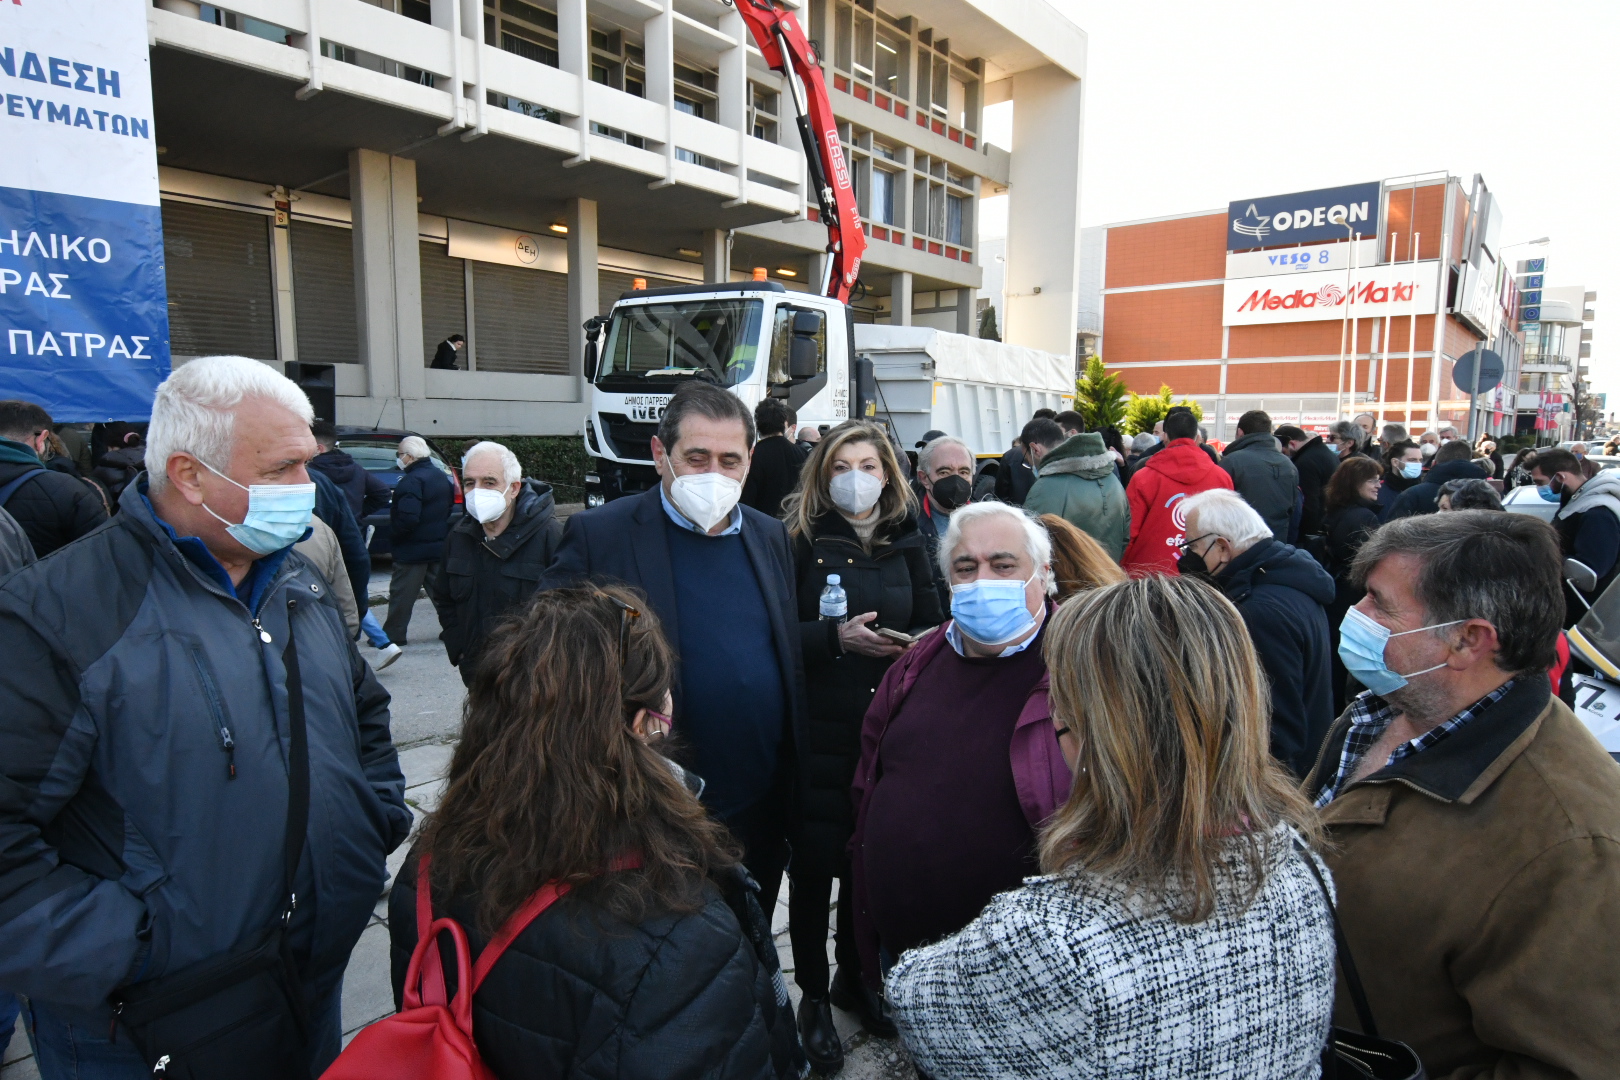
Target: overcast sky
{"type": "Point", "coordinates": [1192, 105]}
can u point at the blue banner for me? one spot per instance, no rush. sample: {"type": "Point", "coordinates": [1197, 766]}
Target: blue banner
{"type": "Point", "coordinates": [82, 305]}
{"type": "Point", "coordinates": [1304, 217]}
{"type": "Point", "coordinates": [84, 327]}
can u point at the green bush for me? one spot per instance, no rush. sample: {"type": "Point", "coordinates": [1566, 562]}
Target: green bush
{"type": "Point", "coordinates": [559, 460]}
{"type": "Point", "coordinates": [1142, 411]}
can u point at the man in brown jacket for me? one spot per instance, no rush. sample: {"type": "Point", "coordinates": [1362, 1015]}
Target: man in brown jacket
{"type": "Point", "coordinates": [1474, 822]}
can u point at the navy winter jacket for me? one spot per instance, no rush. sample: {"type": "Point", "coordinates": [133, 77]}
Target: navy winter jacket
{"type": "Point", "coordinates": [420, 517]}
{"type": "Point", "coordinates": [143, 777]}
{"type": "Point", "coordinates": [1281, 592]}
{"type": "Point", "coordinates": [366, 491]}
{"type": "Point", "coordinates": [333, 508]}
{"type": "Point", "coordinates": [1424, 498]}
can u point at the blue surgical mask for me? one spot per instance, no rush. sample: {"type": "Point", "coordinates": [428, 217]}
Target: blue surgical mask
{"type": "Point", "coordinates": [1546, 492]}
{"type": "Point", "coordinates": [1362, 641]}
{"type": "Point", "coordinates": [277, 514]}
{"type": "Point", "coordinates": [1411, 470]}
{"type": "Point", "coordinates": [992, 611]}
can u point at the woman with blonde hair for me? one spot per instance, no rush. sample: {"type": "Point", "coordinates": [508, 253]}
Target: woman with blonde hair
{"type": "Point", "coordinates": [853, 519]}
{"type": "Point", "coordinates": [1178, 931]}
{"type": "Point", "coordinates": [1078, 561]}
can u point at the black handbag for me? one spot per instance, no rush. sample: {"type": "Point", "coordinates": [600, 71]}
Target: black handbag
{"type": "Point", "coordinates": [240, 1015]}
{"type": "Point", "coordinates": [1359, 1055]}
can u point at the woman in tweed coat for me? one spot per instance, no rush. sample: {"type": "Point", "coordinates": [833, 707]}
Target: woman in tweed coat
{"type": "Point", "coordinates": [1178, 932]}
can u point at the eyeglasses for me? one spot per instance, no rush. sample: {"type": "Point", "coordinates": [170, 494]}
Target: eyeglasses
{"type": "Point", "coordinates": [1188, 541]}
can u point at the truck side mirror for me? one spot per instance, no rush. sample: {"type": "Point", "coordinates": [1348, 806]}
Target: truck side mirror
{"type": "Point", "coordinates": [807, 323]}
{"type": "Point", "coordinates": [593, 334]}
{"type": "Point", "coordinates": [804, 358]}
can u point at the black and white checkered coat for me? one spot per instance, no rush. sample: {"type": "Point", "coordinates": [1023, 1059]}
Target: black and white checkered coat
{"type": "Point", "coordinates": [1068, 977]}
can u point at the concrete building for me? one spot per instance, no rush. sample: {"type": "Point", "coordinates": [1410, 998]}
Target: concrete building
{"type": "Point", "coordinates": [349, 182]}
{"type": "Point", "coordinates": [1554, 379]}
{"type": "Point", "coordinates": [1271, 305]}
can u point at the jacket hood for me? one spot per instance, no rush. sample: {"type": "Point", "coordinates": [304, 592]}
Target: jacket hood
{"type": "Point", "coordinates": [336, 464]}
{"type": "Point", "coordinates": [1084, 455]}
{"type": "Point", "coordinates": [1602, 489]}
{"type": "Point", "coordinates": [1272, 562]}
{"type": "Point", "coordinates": [1455, 470]}
{"type": "Point", "coordinates": [1182, 461]}
{"type": "Point", "coordinates": [1263, 440]}
{"type": "Point", "coordinates": [15, 453]}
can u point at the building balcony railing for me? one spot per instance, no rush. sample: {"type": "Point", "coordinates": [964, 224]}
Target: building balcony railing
{"type": "Point", "coordinates": [355, 48]}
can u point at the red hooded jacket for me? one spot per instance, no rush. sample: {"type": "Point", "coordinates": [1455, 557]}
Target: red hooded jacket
{"type": "Point", "coordinates": [1156, 493]}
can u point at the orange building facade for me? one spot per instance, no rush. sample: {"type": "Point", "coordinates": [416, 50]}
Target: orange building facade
{"type": "Point", "coordinates": [1230, 327]}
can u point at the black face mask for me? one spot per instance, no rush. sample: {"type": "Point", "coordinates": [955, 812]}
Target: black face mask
{"type": "Point", "coordinates": [1192, 564]}
{"type": "Point", "coordinates": [951, 492]}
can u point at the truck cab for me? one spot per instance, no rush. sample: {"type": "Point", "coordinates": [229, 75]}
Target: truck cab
{"type": "Point", "coordinates": [755, 339]}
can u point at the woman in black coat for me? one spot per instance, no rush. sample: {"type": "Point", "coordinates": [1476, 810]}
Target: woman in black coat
{"type": "Point", "coordinates": [1352, 516]}
{"type": "Point", "coordinates": [853, 515]}
{"type": "Point", "coordinates": [657, 960]}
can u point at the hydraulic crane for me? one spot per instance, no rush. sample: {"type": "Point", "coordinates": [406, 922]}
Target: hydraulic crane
{"type": "Point", "coordinates": [786, 49]}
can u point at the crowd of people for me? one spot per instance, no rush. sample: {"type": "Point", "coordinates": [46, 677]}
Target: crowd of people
{"type": "Point", "coordinates": [1078, 757]}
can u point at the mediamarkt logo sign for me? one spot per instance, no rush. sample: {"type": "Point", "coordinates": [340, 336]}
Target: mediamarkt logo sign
{"type": "Point", "coordinates": [1374, 292]}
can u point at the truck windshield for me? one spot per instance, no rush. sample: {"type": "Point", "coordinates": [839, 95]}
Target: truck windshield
{"type": "Point", "coordinates": [714, 338]}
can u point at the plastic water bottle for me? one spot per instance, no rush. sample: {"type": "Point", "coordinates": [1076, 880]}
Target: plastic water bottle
{"type": "Point", "coordinates": [834, 603]}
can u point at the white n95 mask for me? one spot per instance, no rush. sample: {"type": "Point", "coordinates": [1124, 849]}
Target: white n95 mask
{"type": "Point", "coordinates": [705, 498]}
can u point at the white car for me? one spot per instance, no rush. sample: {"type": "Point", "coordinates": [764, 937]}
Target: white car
{"type": "Point", "coordinates": [1527, 500]}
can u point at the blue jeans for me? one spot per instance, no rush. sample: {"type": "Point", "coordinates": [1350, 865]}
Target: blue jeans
{"type": "Point", "coordinates": [373, 631]}
{"type": "Point", "coordinates": [64, 1051]}
{"type": "Point", "coordinates": [9, 1007]}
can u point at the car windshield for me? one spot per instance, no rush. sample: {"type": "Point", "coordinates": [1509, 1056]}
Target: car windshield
{"type": "Point", "coordinates": [714, 338]}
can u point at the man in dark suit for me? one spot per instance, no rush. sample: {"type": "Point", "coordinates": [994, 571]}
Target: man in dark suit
{"type": "Point", "coordinates": [719, 576]}
{"type": "Point", "coordinates": [448, 355]}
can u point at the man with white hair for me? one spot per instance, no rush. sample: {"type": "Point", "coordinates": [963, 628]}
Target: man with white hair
{"type": "Point", "coordinates": [495, 555]}
{"type": "Point", "coordinates": [196, 763]}
{"type": "Point", "coordinates": [959, 763]}
{"type": "Point", "coordinates": [945, 481]}
{"type": "Point", "coordinates": [1282, 593]}
{"type": "Point", "coordinates": [418, 522]}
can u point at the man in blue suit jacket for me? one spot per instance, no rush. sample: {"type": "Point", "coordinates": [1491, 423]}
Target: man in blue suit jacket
{"type": "Point", "coordinates": [720, 578]}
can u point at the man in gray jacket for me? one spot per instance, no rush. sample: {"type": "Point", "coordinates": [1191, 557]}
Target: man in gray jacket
{"type": "Point", "coordinates": [146, 730]}
{"type": "Point", "coordinates": [1262, 473]}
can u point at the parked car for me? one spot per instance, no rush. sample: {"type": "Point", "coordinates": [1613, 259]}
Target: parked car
{"type": "Point", "coordinates": [374, 449]}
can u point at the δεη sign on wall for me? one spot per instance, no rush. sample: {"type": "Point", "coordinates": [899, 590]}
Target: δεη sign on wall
{"type": "Point", "coordinates": [1303, 217]}
{"type": "Point", "coordinates": [1370, 292]}
{"type": "Point", "coordinates": [84, 324]}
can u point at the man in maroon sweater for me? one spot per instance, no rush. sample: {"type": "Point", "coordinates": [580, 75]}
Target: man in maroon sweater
{"type": "Point", "coordinates": [959, 762]}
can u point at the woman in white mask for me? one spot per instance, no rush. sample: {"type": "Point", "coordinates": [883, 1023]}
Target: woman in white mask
{"type": "Point", "coordinates": [852, 517]}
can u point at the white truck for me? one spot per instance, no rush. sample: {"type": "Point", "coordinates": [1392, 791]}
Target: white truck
{"type": "Point", "coordinates": [981, 391]}
{"type": "Point", "coordinates": [757, 339]}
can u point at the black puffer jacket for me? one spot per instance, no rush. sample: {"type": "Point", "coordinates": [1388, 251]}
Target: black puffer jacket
{"type": "Point", "coordinates": [895, 581]}
{"type": "Point", "coordinates": [486, 577]}
{"type": "Point", "coordinates": [419, 519]}
{"type": "Point", "coordinates": [583, 994]}
{"type": "Point", "coordinates": [366, 492]}
{"type": "Point", "coordinates": [53, 508]}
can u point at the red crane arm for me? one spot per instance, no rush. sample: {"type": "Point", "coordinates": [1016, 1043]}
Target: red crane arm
{"type": "Point", "coordinates": [787, 50]}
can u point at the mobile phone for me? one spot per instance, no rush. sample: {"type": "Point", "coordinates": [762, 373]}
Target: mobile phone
{"type": "Point", "coordinates": [893, 635]}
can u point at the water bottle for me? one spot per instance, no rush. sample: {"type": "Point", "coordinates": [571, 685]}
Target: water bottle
{"type": "Point", "coordinates": [834, 603]}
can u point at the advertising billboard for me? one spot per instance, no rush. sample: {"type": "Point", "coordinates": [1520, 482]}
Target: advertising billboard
{"type": "Point", "coordinates": [84, 324]}
{"type": "Point", "coordinates": [1303, 217]}
{"type": "Point", "coordinates": [1373, 291]}
{"type": "Point", "coordinates": [1299, 260]}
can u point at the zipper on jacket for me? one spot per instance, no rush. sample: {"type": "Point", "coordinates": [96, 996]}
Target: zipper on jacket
{"type": "Point", "coordinates": [226, 742]}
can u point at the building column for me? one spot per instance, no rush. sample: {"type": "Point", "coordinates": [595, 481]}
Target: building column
{"type": "Point", "coordinates": [1043, 221]}
{"type": "Point", "coordinates": [900, 298]}
{"type": "Point", "coordinates": [716, 256]}
{"type": "Point", "coordinates": [281, 279]}
{"type": "Point", "coordinates": [965, 321]}
{"type": "Point", "coordinates": [658, 38]}
{"type": "Point", "coordinates": [574, 57]}
{"type": "Point", "coordinates": [387, 274]}
{"type": "Point", "coordinates": [583, 283]}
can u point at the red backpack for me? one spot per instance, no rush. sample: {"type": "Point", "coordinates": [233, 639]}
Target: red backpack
{"type": "Point", "coordinates": [431, 1039]}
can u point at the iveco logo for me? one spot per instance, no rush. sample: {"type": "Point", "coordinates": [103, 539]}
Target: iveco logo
{"type": "Point", "coordinates": [1252, 224]}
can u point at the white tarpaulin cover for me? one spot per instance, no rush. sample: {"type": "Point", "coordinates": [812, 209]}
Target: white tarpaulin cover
{"type": "Point", "coordinates": [970, 359]}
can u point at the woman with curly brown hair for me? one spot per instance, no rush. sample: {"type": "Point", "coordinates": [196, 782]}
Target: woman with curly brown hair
{"type": "Point", "coordinates": [558, 779]}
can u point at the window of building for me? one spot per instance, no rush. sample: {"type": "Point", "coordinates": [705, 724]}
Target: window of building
{"type": "Point", "coordinates": [523, 29]}
{"type": "Point", "coordinates": [323, 293]}
{"type": "Point", "coordinates": [764, 113]}
{"type": "Point", "coordinates": [892, 62]}
{"type": "Point", "coordinates": [955, 206]}
{"type": "Point", "coordinates": [444, 298]}
{"type": "Point", "coordinates": [882, 196]}
{"type": "Point", "coordinates": [521, 319]}
{"type": "Point", "coordinates": [221, 299]}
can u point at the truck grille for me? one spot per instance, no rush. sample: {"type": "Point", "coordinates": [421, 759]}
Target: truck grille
{"type": "Point", "coordinates": [626, 439]}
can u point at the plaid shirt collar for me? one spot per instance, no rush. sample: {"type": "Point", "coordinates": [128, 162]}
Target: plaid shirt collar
{"type": "Point", "coordinates": [1371, 714]}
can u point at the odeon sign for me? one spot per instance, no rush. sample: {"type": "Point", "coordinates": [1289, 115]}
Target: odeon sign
{"type": "Point", "coordinates": [1374, 292]}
